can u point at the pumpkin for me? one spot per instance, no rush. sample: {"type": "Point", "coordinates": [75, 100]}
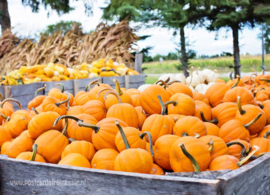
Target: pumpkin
{"type": "Point", "coordinates": [38, 98]}
{"type": "Point", "coordinates": [104, 132]}
{"type": "Point", "coordinates": [51, 144]}
{"type": "Point", "coordinates": [43, 122]}
{"type": "Point", "coordinates": [162, 150]}
{"type": "Point", "coordinates": [84, 148]}
{"type": "Point", "coordinates": [177, 87]}
{"type": "Point", "coordinates": [133, 91]}
{"type": "Point", "coordinates": [135, 100]}
{"type": "Point", "coordinates": [234, 129]}
{"type": "Point", "coordinates": [226, 162]}
{"type": "Point", "coordinates": [7, 110]}
{"type": "Point", "coordinates": [200, 97]}
{"type": "Point", "coordinates": [75, 159]}
{"type": "Point", "coordinates": [262, 143]}
{"type": "Point", "coordinates": [7, 104]}
{"type": "Point", "coordinates": [246, 96]}
{"type": "Point", "coordinates": [141, 115]}
{"type": "Point", "coordinates": [236, 82]}
{"type": "Point", "coordinates": [32, 156]}
{"type": "Point", "coordinates": [97, 87]}
{"type": "Point", "coordinates": [4, 135]}
{"type": "Point", "coordinates": [134, 137]}
{"type": "Point", "coordinates": [189, 154]}
{"type": "Point", "coordinates": [265, 106]}
{"type": "Point", "coordinates": [248, 112]}
{"type": "Point", "coordinates": [158, 124]}
{"type": "Point", "coordinates": [83, 97]}
{"type": "Point", "coordinates": [265, 132]}
{"type": "Point", "coordinates": [60, 95]}
{"type": "Point", "coordinates": [219, 146]}
{"type": "Point", "coordinates": [133, 159]}
{"type": "Point", "coordinates": [76, 132]}
{"type": "Point", "coordinates": [189, 126]}
{"type": "Point", "coordinates": [215, 93]}
{"type": "Point", "coordinates": [149, 99]}
{"type": "Point", "coordinates": [211, 129]}
{"type": "Point", "coordinates": [239, 148]}
{"type": "Point", "coordinates": [204, 108]}
{"type": "Point", "coordinates": [181, 104]}
{"type": "Point", "coordinates": [22, 143]}
{"type": "Point", "coordinates": [223, 113]}
{"type": "Point", "coordinates": [123, 111]}
{"type": "Point", "coordinates": [51, 103]}
{"type": "Point", "coordinates": [157, 170]}
{"type": "Point", "coordinates": [104, 159]}
{"type": "Point", "coordinates": [74, 110]}
{"type": "Point", "coordinates": [4, 148]}
{"type": "Point", "coordinates": [94, 108]}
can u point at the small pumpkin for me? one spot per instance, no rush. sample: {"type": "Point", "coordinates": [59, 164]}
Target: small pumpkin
{"type": "Point", "coordinates": [215, 93]}
{"type": "Point", "coordinates": [157, 170]}
{"type": "Point", "coordinates": [4, 135]}
{"type": "Point", "coordinates": [141, 116]}
{"type": "Point", "coordinates": [211, 129]}
{"type": "Point", "coordinates": [200, 97]}
{"type": "Point", "coordinates": [38, 98]}
{"type": "Point", "coordinates": [32, 156]}
{"type": "Point", "coordinates": [75, 159]}
{"type": "Point", "coordinates": [104, 159]}
{"type": "Point", "coordinates": [239, 148]}
{"type": "Point", "coordinates": [94, 108]}
{"type": "Point", "coordinates": [204, 108]}
{"type": "Point", "coordinates": [51, 103]}
{"type": "Point", "coordinates": [181, 104]}
{"type": "Point", "coordinates": [7, 110]}
{"type": "Point", "coordinates": [246, 96]}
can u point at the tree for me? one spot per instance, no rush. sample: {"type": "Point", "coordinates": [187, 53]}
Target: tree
{"type": "Point", "coordinates": [236, 15]}
{"type": "Point", "coordinates": [63, 26]}
{"type": "Point", "coordinates": [60, 6]}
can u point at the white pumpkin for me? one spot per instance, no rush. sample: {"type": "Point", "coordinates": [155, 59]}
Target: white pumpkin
{"type": "Point", "coordinates": [180, 77]}
{"type": "Point", "coordinates": [192, 89]}
{"type": "Point", "coordinates": [210, 75]}
{"type": "Point", "coordinates": [165, 77]}
{"type": "Point", "coordinates": [201, 88]}
{"type": "Point", "coordinates": [143, 87]}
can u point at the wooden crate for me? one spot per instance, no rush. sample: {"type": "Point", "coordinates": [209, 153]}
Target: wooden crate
{"type": "Point", "coordinates": [253, 178]}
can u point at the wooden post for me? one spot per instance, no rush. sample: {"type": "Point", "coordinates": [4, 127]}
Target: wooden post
{"type": "Point", "coordinates": [127, 81]}
{"type": "Point", "coordinates": [138, 62]}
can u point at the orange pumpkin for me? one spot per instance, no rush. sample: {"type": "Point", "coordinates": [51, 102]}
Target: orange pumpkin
{"type": "Point", "coordinates": [181, 104]}
{"type": "Point", "coordinates": [177, 87]}
{"type": "Point", "coordinates": [60, 95]}
{"type": "Point", "coordinates": [75, 159]}
{"type": "Point", "coordinates": [211, 129]}
{"type": "Point", "coordinates": [262, 143]}
{"type": "Point", "coordinates": [204, 108]}
{"type": "Point", "coordinates": [74, 110]}
{"type": "Point", "coordinates": [7, 110]}
{"type": "Point", "coordinates": [239, 148]}
{"type": "Point", "coordinates": [104, 159]}
{"type": "Point", "coordinates": [215, 93]}
{"type": "Point", "coordinates": [32, 156]}
{"type": "Point", "coordinates": [156, 170]}
{"type": "Point", "coordinates": [94, 108]}
{"type": "Point", "coordinates": [265, 106]}
{"type": "Point", "coordinates": [200, 97]}
{"type": "Point", "coordinates": [4, 135]}
{"type": "Point", "coordinates": [38, 98]}
{"type": "Point", "coordinates": [246, 96]}
{"type": "Point", "coordinates": [141, 116]}
{"type": "Point", "coordinates": [4, 148]}
{"type": "Point", "coordinates": [133, 91]}
{"type": "Point", "coordinates": [135, 100]}
{"type": "Point", "coordinates": [265, 132]}
{"type": "Point", "coordinates": [51, 103]}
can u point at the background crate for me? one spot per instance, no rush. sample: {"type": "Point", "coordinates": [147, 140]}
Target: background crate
{"type": "Point", "coordinates": [68, 85]}
{"type": "Point", "coordinates": [80, 84]}
{"type": "Point", "coordinates": [135, 81]}
{"type": "Point", "coordinates": [109, 80]}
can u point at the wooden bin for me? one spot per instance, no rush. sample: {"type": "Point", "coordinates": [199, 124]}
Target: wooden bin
{"type": "Point", "coordinates": [42, 178]}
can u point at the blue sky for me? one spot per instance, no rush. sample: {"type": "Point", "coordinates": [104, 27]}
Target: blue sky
{"type": "Point", "coordinates": [26, 23]}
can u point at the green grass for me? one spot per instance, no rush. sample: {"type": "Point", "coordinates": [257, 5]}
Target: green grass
{"type": "Point", "coordinates": [221, 64]}
{"type": "Point", "coordinates": [150, 79]}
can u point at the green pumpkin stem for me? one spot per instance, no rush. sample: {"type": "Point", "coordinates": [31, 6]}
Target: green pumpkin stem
{"type": "Point", "coordinates": [150, 140]}
{"type": "Point", "coordinates": [1, 97]}
{"type": "Point", "coordinates": [211, 145]}
{"type": "Point", "coordinates": [214, 121]}
{"type": "Point", "coordinates": [94, 127]}
{"type": "Point", "coordinates": [184, 135]}
{"type": "Point", "coordinates": [190, 157]}
{"type": "Point", "coordinates": [95, 82]}
{"type": "Point", "coordinates": [114, 93]}
{"type": "Point", "coordinates": [62, 87]}
{"type": "Point", "coordinates": [165, 85]}
{"type": "Point", "coordinates": [170, 102]}
{"type": "Point", "coordinates": [122, 134]}
{"type": "Point", "coordinates": [253, 121]}
{"type": "Point", "coordinates": [237, 82]}
{"type": "Point", "coordinates": [242, 112]}
{"type": "Point", "coordinates": [64, 132]}
{"type": "Point", "coordinates": [266, 134]}
{"type": "Point", "coordinates": [163, 107]}
{"type": "Point", "coordinates": [65, 101]}
{"type": "Point", "coordinates": [4, 116]}
{"type": "Point", "coordinates": [66, 117]}
{"type": "Point", "coordinates": [34, 153]}
{"type": "Point", "coordinates": [10, 100]}
{"type": "Point", "coordinates": [267, 80]}
{"type": "Point", "coordinates": [40, 89]}
{"type": "Point", "coordinates": [105, 89]}
{"type": "Point", "coordinates": [261, 106]}
{"type": "Point", "coordinates": [117, 87]}
{"type": "Point", "coordinates": [35, 110]}
{"type": "Point", "coordinates": [72, 140]}
{"type": "Point", "coordinates": [248, 156]}
{"type": "Point", "coordinates": [244, 151]}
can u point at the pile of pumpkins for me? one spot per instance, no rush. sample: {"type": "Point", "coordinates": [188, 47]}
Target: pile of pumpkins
{"type": "Point", "coordinates": [165, 127]}
{"type": "Point", "coordinates": [57, 72]}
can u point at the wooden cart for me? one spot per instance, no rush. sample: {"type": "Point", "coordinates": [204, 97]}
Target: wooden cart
{"type": "Point", "coordinates": [26, 177]}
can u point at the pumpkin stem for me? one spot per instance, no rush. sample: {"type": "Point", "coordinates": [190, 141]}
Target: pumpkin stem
{"type": "Point", "coordinates": [253, 121]}
{"type": "Point", "coordinates": [261, 106]}
{"type": "Point", "coordinates": [267, 80]}
{"type": "Point", "coordinates": [65, 101]}
{"type": "Point", "coordinates": [40, 89]}
{"type": "Point", "coordinates": [214, 121]}
{"type": "Point", "coordinates": [95, 82]}
{"type": "Point", "coordinates": [244, 152]}
{"type": "Point", "coordinates": [117, 87]}
{"type": "Point", "coordinates": [66, 117]}
{"type": "Point", "coordinates": [190, 157]}
{"type": "Point", "coordinates": [94, 127]}
{"type": "Point", "coordinates": [163, 107]}
{"type": "Point", "coordinates": [211, 145]}
{"type": "Point", "coordinates": [266, 134]}
{"type": "Point", "coordinates": [242, 112]}
{"type": "Point", "coordinates": [10, 100]}
{"type": "Point", "coordinates": [122, 134]}
{"type": "Point", "coordinates": [105, 89]}
{"type": "Point", "coordinates": [248, 156]}
{"type": "Point", "coordinates": [72, 140]}
{"type": "Point", "coordinates": [170, 102]}
{"type": "Point", "coordinates": [150, 140]}
{"type": "Point", "coordinates": [65, 127]}
{"type": "Point", "coordinates": [163, 83]}
{"type": "Point", "coordinates": [3, 116]}
{"type": "Point", "coordinates": [62, 87]}
{"type": "Point", "coordinates": [166, 81]}
{"type": "Point", "coordinates": [114, 93]}
{"type": "Point", "coordinates": [35, 110]}
{"type": "Point", "coordinates": [1, 97]}
{"type": "Point", "coordinates": [196, 135]}
{"type": "Point", "coordinates": [33, 157]}
{"type": "Point", "coordinates": [237, 82]}
{"type": "Point", "coordinates": [184, 135]}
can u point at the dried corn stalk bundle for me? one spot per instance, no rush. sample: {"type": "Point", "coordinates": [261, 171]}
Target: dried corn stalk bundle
{"type": "Point", "coordinates": [74, 48]}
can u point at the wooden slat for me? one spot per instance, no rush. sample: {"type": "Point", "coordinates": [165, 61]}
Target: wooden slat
{"type": "Point", "coordinates": [95, 181]}
{"type": "Point", "coordinates": [138, 62]}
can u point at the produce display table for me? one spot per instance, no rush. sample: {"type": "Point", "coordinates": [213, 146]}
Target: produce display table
{"type": "Point", "coordinates": [42, 178]}
{"type": "Point", "coordinates": [25, 93]}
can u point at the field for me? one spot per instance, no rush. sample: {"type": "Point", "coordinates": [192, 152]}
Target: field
{"type": "Point", "coordinates": [221, 64]}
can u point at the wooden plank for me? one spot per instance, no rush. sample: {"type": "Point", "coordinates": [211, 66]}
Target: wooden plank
{"type": "Point", "coordinates": [127, 81]}
{"type": "Point", "coordinates": [109, 80]}
{"type": "Point", "coordinates": [138, 62]}
{"type": "Point", "coordinates": [93, 181]}
{"type": "Point", "coordinates": [253, 178]}
{"type": "Point", "coordinates": [136, 80]}
{"type": "Point", "coordinates": [200, 175]}
{"type": "Point", "coordinates": [80, 84]}
{"type": "Point", "coordinates": [68, 85]}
